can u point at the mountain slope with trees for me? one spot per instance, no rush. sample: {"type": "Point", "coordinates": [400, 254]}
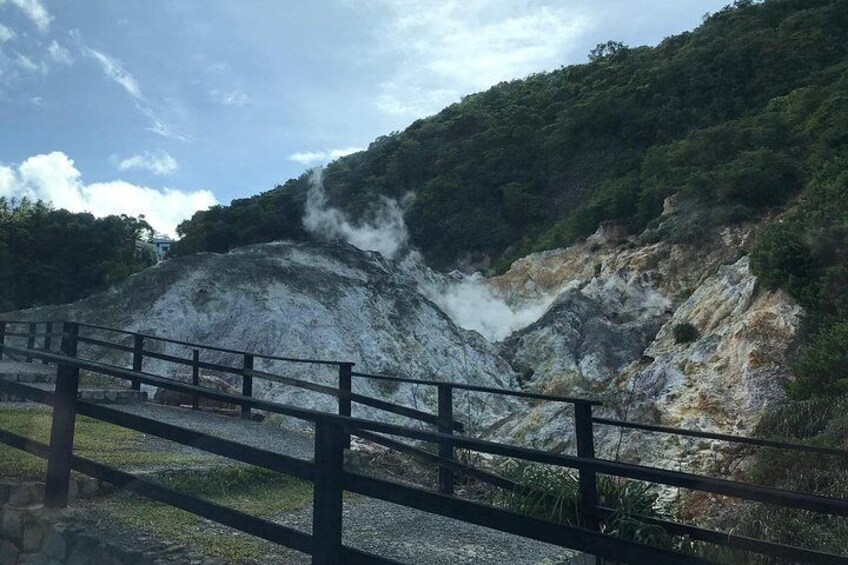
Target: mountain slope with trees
{"type": "Point", "coordinates": [737, 114]}
{"type": "Point", "coordinates": [744, 119]}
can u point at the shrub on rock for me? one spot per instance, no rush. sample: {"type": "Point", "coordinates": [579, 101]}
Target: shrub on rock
{"type": "Point", "coordinates": [685, 333]}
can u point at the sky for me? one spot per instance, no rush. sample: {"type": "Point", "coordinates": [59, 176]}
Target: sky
{"type": "Point", "coordinates": [165, 107]}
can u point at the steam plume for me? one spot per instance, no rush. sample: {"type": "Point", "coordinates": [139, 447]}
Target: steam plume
{"type": "Point", "coordinates": [468, 301]}
{"type": "Point", "coordinates": [385, 234]}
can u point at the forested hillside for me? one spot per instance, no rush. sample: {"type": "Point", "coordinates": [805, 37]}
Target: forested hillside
{"type": "Point", "coordinates": [52, 256]}
{"type": "Point", "coordinates": [738, 114]}
{"type": "Point", "coordinates": [745, 117]}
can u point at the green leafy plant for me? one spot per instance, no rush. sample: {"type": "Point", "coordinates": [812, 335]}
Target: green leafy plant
{"type": "Point", "coordinates": [805, 253]}
{"type": "Point", "coordinates": [50, 256]}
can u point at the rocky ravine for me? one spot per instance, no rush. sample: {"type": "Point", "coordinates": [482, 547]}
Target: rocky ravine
{"type": "Point", "coordinates": [609, 335]}
{"type": "Point", "coordinates": [304, 300]}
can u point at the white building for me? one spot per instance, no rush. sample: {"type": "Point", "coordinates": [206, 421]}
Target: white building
{"type": "Point", "coordinates": [161, 246]}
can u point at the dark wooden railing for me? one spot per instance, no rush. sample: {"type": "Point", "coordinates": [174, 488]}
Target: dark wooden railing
{"type": "Point", "coordinates": [332, 433]}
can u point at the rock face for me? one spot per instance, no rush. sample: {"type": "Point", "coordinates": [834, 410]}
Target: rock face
{"type": "Point", "coordinates": [584, 337]}
{"type": "Point", "coordinates": [304, 300]}
{"type": "Point", "coordinates": [609, 335]}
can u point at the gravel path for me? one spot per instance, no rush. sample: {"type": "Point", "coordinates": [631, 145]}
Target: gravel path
{"type": "Point", "coordinates": [255, 434]}
{"type": "Point", "coordinates": [411, 536]}
{"type": "Point", "coordinates": [380, 527]}
{"type": "Point", "coordinates": [376, 526]}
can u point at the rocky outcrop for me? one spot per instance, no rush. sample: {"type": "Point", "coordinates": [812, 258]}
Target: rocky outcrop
{"type": "Point", "coordinates": [585, 337]}
{"type": "Point", "coordinates": [671, 269]}
{"type": "Point", "coordinates": [304, 300]}
{"type": "Point", "coordinates": [725, 379]}
{"type": "Point", "coordinates": [610, 335]}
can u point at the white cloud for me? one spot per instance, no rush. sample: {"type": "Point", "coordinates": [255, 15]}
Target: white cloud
{"type": "Point", "coordinates": [60, 54]}
{"type": "Point", "coordinates": [222, 84]}
{"type": "Point", "coordinates": [115, 71]}
{"type": "Point", "coordinates": [321, 157]}
{"type": "Point", "coordinates": [6, 34]}
{"type": "Point", "coordinates": [35, 11]}
{"type": "Point", "coordinates": [453, 47]}
{"type": "Point", "coordinates": [157, 163]}
{"type": "Point", "coordinates": [53, 177]}
{"type": "Point", "coordinates": [229, 97]}
{"type": "Point", "coordinates": [7, 181]}
{"type": "Point", "coordinates": [29, 65]}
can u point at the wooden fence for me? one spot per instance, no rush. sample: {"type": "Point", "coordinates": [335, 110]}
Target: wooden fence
{"type": "Point", "coordinates": [332, 433]}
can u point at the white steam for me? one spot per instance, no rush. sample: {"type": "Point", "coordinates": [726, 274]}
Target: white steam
{"type": "Point", "coordinates": [468, 301]}
{"type": "Point", "coordinates": [386, 233]}
{"type": "Point", "coordinates": [472, 305]}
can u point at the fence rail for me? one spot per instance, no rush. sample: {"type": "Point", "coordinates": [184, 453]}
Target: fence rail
{"type": "Point", "coordinates": [332, 432]}
{"type": "Point", "coordinates": [721, 437]}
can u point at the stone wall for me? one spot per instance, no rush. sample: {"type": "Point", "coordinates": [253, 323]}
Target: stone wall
{"type": "Point", "coordinates": [31, 534]}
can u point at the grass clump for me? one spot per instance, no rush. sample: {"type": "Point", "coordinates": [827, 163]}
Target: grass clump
{"type": "Point", "coordinates": [90, 379]}
{"type": "Point", "coordinates": [821, 421]}
{"type": "Point", "coordinates": [252, 490]}
{"type": "Point", "coordinates": [553, 494]}
{"type": "Point", "coordinates": [112, 445]}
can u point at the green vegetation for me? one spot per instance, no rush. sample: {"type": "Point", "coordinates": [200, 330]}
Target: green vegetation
{"type": "Point", "coordinates": [97, 380]}
{"type": "Point", "coordinates": [745, 118]}
{"type": "Point", "coordinates": [553, 494]}
{"type": "Point", "coordinates": [685, 333]}
{"type": "Point", "coordinates": [738, 114]}
{"type": "Point", "coordinates": [252, 490]}
{"type": "Point", "coordinates": [806, 253]}
{"type": "Point", "coordinates": [112, 445]}
{"type": "Point", "coordinates": [821, 421]}
{"type": "Point", "coordinates": [54, 256]}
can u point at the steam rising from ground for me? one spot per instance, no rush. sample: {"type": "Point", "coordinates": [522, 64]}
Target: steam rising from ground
{"type": "Point", "coordinates": [472, 305]}
{"type": "Point", "coordinates": [469, 302]}
{"type": "Point", "coordinates": [386, 233]}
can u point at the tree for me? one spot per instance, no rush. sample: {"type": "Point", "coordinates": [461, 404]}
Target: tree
{"type": "Point", "coordinates": [608, 50]}
{"type": "Point", "coordinates": [52, 256]}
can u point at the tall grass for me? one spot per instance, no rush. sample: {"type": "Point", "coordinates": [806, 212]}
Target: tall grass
{"type": "Point", "coordinates": [553, 494]}
{"type": "Point", "coordinates": [821, 421]}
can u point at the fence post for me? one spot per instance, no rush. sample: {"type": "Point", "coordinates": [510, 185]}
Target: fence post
{"type": "Point", "coordinates": [138, 359]}
{"type": "Point", "coordinates": [327, 494]}
{"type": "Point", "coordinates": [195, 377]}
{"type": "Point", "coordinates": [345, 390]}
{"type": "Point", "coordinates": [446, 476]}
{"type": "Point", "coordinates": [2, 338]}
{"type": "Point", "coordinates": [30, 340]}
{"type": "Point", "coordinates": [48, 340]}
{"type": "Point", "coordinates": [64, 417]}
{"type": "Point", "coordinates": [247, 385]}
{"type": "Point", "coordinates": [587, 479]}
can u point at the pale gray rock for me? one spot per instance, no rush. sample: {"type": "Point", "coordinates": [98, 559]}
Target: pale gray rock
{"type": "Point", "coordinates": [304, 300]}
{"type": "Point", "coordinates": [610, 335]}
